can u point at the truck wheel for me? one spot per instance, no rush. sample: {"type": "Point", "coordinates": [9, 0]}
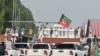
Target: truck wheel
{"type": "Point", "coordinates": [75, 54]}
{"type": "Point", "coordinates": [84, 54]}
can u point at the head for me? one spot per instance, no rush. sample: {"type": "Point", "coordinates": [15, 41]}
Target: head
{"type": "Point", "coordinates": [94, 35]}
{"type": "Point", "coordinates": [78, 27]}
{"type": "Point", "coordinates": [8, 32]}
{"type": "Point", "coordinates": [90, 32]}
{"type": "Point", "coordinates": [83, 36]}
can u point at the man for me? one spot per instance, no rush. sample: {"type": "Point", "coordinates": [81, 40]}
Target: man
{"type": "Point", "coordinates": [83, 41]}
{"type": "Point", "coordinates": [86, 46]}
{"type": "Point", "coordinates": [89, 44]}
{"type": "Point", "coordinates": [95, 40]}
{"type": "Point", "coordinates": [56, 32]}
{"type": "Point", "coordinates": [51, 32]}
{"type": "Point", "coordinates": [8, 36]}
{"type": "Point", "coordinates": [75, 32]}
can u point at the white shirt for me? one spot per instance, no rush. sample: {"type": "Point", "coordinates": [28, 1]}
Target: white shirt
{"type": "Point", "coordinates": [86, 47]}
{"type": "Point", "coordinates": [15, 34]}
{"type": "Point", "coordinates": [56, 32]}
{"type": "Point", "coordinates": [83, 40]}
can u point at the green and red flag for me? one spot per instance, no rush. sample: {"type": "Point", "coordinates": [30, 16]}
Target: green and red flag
{"type": "Point", "coordinates": [64, 21]}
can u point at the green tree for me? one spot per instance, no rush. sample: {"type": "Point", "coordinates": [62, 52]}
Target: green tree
{"type": "Point", "coordinates": [2, 12]}
{"type": "Point", "coordinates": [21, 13]}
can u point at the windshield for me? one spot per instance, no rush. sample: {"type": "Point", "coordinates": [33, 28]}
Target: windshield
{"type": "Point", "coordinates": [40, 46]}
{"type": "Point", "coordinates": [65, 46]}
{"type": "Point", "coordinates": [21, 46]}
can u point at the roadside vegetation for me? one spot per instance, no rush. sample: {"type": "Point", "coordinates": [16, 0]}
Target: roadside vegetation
{"type": "Point", "coordinates": [18, 12]}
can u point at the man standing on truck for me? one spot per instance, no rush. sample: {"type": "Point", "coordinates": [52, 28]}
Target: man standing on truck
{"type": "Point", "coordinates": [55, 32]}
{"type": "Point", "coordinates": [83, 41]}
{"type": "Point", "coordinates": [75, 32]}
{"type": "Point", "coordinates": [7, 36]}
{"type": "Point", "coordinates": [51, 32]}
{"type": "Point", "coordinates": [14, 34]}
{"type": "Point", "coordinates": [8, 40]}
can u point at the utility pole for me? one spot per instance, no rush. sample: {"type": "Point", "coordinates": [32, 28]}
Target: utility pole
{"type": "Point", "coordinates": [13, 14]}
{"type": "Point", "coordinates": [19, 17]}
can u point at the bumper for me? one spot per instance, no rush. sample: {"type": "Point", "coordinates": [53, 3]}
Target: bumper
{"type": "Point", "coordinates": [36, 55]}
{"type": "Point", "coordinates": [61, 55]}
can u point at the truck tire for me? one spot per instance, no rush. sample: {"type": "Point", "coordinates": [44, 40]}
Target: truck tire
{"type": "Point", "coordinates": [75, 54]}
{"type": "Point", "coordinates": [84, 54]}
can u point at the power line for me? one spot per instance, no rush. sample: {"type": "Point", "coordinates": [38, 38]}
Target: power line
{"type": "Point", "coordinates": [27, 22]}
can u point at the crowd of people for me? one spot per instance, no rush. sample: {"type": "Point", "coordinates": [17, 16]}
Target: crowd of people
{"type": "Point", "coordinates": [53, 32]}
{"type": "Point", "coordinates": [13, 34]}
{"type": "Point", "coordinates": [90, 43]}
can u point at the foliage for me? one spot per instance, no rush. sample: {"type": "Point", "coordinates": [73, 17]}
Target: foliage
{"type": "Point", "coordinates": [15, 12]}
{"type": "Point", "coordinates": [2, 10]}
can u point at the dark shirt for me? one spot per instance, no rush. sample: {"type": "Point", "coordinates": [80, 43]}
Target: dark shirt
{"type": "Point", "coordinates": [51, 31]}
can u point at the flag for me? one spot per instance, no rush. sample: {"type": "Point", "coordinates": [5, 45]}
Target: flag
{"type": "Point", "coordinates": [64, 21]}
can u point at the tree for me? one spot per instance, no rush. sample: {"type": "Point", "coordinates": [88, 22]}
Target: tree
{"type": "Point", "coordinates": [2, 10]}
{"type": "Point", "coordinates": [21, 13]}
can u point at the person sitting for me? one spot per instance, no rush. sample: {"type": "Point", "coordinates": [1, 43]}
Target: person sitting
{"type": "Point", "coordinates": [86, 46]}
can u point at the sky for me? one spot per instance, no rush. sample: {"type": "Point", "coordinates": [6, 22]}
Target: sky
{"type": "Point", "coordinates": [79, 11]}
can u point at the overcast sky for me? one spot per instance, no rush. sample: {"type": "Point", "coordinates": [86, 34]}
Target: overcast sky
{"type": "Point", "coordinates": [79, 11]}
